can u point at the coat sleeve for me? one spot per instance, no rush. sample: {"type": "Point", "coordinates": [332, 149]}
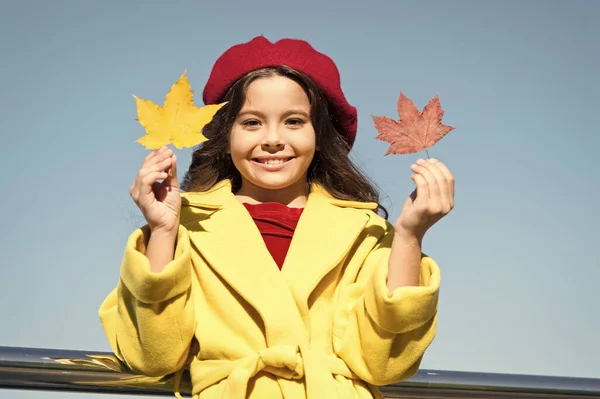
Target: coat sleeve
{"type": "Point", "coordinates": [149, 317]}
{"type": "Point", "coordinates": [382, 336]}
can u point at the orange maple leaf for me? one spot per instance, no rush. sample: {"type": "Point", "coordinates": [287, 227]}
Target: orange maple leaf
{"type": "Point", "coordinates": [415, 131]}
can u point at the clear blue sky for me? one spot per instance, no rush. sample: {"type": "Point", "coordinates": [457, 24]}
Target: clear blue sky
{"type": "Point", "coordinates": [518, 80]}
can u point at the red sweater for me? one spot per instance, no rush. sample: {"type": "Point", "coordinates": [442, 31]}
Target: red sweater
{"type": "Point", "coordinates": [276, 223]}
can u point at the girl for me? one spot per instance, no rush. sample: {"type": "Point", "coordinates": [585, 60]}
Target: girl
{"type": "Point", "coordinates": [272, 275]}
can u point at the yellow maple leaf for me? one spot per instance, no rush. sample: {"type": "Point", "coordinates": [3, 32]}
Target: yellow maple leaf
{"type": "Point", "coordinates": [178, 121]}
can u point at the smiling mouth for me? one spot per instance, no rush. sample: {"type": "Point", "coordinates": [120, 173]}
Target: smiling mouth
{"type": "Point", "coordinates": [272, 161]}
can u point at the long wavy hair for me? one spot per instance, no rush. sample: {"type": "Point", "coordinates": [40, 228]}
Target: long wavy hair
{"type": "Point", "coordinates": [331, 167]}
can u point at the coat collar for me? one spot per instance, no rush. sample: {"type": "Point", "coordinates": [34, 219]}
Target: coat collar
{"type": "Point", "coordinates": [218, 195]}
{"type": "Point", "coordinates": [227, 237]}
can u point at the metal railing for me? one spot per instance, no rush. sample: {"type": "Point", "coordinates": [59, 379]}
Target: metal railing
{"type": "Point", "coordinates": [100, 372]}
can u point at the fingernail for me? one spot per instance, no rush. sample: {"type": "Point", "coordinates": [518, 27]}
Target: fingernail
{"type": "Point", "coordinates": [420, 161]}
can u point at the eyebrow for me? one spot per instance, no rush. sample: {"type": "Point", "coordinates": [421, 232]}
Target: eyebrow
{"type": "Point", "coordinates": [262, 115]}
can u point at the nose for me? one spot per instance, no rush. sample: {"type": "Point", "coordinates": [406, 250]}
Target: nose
{"type": "Point", "coordinates": [273, 138]}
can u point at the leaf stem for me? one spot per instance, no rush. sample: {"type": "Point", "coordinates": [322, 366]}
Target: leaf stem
{"type": "Point", "coordinates": [427, 152]}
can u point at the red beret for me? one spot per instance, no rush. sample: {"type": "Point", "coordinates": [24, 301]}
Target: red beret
{"type": "Point", "coordinates": [258, 53]}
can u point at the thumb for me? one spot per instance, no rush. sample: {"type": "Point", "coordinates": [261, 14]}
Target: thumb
{"type": "Point", "coordinates": [421, 190]}
{"type": "Point", "coordinates": [173, 173]}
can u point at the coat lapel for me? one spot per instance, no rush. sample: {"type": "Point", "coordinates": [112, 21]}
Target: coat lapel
{"type": "Point", "coordinates": [326, 232]}
{"type": "Point", "coordinates": [232, 245]}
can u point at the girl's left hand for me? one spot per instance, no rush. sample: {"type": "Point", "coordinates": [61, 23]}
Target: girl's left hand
{"type": "Point", "coordinates": [432, 199]}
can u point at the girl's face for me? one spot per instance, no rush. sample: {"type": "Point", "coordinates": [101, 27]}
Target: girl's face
{"type": "Point", "coordinates": [272, 141]}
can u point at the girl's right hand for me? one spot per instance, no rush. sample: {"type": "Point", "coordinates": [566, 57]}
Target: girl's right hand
{"type": "Point", "coordinates": [159, 202]}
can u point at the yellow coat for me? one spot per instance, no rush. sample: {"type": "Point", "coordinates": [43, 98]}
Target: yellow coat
{"type": "Point", "coordinates": [325, 326]}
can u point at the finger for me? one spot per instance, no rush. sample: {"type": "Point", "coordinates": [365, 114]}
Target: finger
{"type": "Point", "coordinates": [422, 188]}
{"type": "Point", "coordinates": [161, 161]}
{"type": "Point", "coordinates": [432, 183]}
{"type": "Point", "coordinates": [151, 155]}
{"type": "Point", "coordinates": [141, 178]}
{"type": "Point", "coordinates": [155, 152]}
{"type": "Point", "coordinates": [449, 179]}
{"type": "Point", "coordinates": [147, 181]}
{"type": "Point", "coordinates": [157, 156]}
{"type": "Point", "coordinates": [432, 166]}
{"type": "Point", "coordinates": [162, 166]}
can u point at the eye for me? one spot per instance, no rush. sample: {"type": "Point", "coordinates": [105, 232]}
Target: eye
{"type": "Point", "coordinates": [295, 121]}
{"type": "Point", "coordinates": [251, 123]}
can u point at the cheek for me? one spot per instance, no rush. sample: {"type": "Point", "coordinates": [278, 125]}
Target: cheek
{"type": "Point", "coordinates": [307, 145]}
{"type": "Point", "coordinates": [238, 147]}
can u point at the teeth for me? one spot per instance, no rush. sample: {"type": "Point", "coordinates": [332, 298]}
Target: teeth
{"type": "Point", "coordinates": [273, 161]}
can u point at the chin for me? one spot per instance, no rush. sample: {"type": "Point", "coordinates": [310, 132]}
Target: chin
{"type": "Point", "coordinates": [274, 182]}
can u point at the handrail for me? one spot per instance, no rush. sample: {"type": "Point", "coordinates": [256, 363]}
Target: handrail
{"type": "Point", "coordinates": [101, 372]}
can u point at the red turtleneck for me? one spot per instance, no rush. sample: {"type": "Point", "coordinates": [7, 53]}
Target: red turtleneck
{"type": "Point", "coordinates": [276, 223]}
